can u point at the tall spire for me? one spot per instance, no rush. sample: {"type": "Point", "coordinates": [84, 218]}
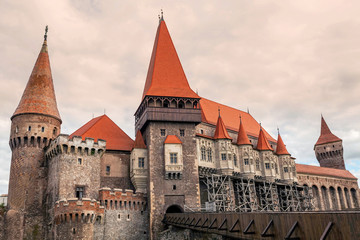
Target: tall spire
{"type": "Point", "coordinates": [220, 131]}
{"type": "Point", "coordinates": [263, 143]}
{"type": "Point", "coordinates": [39, 94]}
{"type": "Point", "coordinates": [165, 75]}
{"type": "Point", "coordinates": [242, 136]}
{"type": "Point", "coordinates": [326, 136]}
{"type": "Point", "coordinates": [281, 148]}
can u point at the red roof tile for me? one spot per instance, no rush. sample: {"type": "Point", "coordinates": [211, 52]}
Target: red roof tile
{"type": "Point", "coordinates": [281, 148]}
{"type": "Point", "coordinates": [242, 138]}
{"type": "Point", "coordinates": [172, 139]}
{"type": "Point", "coordinates": [231, 118]}
{"type": "Point", "coordinates": [220, 130]}
{"type": "Point", "coordinates": [139, 140]}
{"type": "Point", "coordinates": [166, 76]}
{"type": "Point", "coordinates": [104, 128]}
{"type": "Point", "coordinates": [326, 135]}
{"type": "Point", "coordinates": [39, 94]}
{"type": "Point", "coordinates": [263, 143]}
{"type": "Point", "coordinates": [323, 171]}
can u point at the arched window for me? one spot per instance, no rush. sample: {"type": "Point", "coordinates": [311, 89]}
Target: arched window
{"type": "Point", "coordinates": [209, 154]}
{"type": "Point", "coordinates": [203, 154]}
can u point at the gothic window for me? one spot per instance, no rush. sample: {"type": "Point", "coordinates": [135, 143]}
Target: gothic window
{"type": "Point", "coordinates": [223, 156]}
{"type": "Point", "coordinates": [107, 170]}
{"type": "Point", "coordinates": [162, 132]}
{"type": "Point", "coordinates": [80, 192]}
{"type": "Point", "coordinates": [141, 162]}
{"type": "Point", "coordinates": [286, 169]}
{"type": "Point", "coordinates": [246, 161]}
{"type": "Point", "coordinates": [173, 158]}
{"type": "Point", "coordinates": [182, 132]}
{"type": "Point", "coordinates": [166, 104]}
{"type": "Point", "coordinates": [267, 165]}
{"type": "Point", "coordinates": [276, 168]}
{"type": "Point", "coordinates": [209, 155]}
{"type": "Point", "coordinates": [257, 165]}
{"type": "Point", "coordinates": [203, 154]}
{"type": "Point", "coordinates": [235, 160]}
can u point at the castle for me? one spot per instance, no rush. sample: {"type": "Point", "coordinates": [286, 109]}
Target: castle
{"type": "Point", "coordinates": [189, 153]}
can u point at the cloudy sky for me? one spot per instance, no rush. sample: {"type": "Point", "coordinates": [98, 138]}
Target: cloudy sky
{"type": "Point", "coordinates": [287, 61]}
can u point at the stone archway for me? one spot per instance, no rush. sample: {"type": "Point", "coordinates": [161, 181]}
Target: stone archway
{"type": "Point", "coordinates": [174, 209]}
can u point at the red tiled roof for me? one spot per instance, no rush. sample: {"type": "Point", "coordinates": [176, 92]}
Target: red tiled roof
{"type": "Point", "coordinates": [326, 135]}
{"type": "Point", "coordinates": [204, 136]}
{"type": "Point", "coordinates": [172, 139]}
{"type": "Point", "coordinates": [242, 138]}
{"type": "Point", "coordinates": [166, 76]}
{"type": "Point", "coordinates": [280, 147]}
{"type": "Point", "coordinates": [231, 118]}
{"type": "Point", "coordinates": [263, 143]}
{"type": "Point", "coordinates": [220, 130]}
{"type": "Point", "coordinates": [139, 140]}
{"type": "Point", "coordinates": [323, 171]}
{"type": "Point", "coordinates": [39, 94]}
{"type": "Point", "coordinates": [104, 128]}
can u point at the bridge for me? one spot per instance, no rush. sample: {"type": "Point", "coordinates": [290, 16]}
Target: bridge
{"type": "Point", "coordinates": [271, 225]}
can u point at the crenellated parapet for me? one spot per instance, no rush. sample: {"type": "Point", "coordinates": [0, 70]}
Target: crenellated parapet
{"type": "Point", "coordinates": [122, 199]}
{"type": "Point", "coordinates": [63, 145]}
{"type": "Point", "coordinates": [73, 210]}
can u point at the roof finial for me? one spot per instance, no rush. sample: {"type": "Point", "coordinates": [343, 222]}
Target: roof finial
{"type": "Point", "coordinates": [240, 117]}
{"type": "Point", "coordinates": [278, 130]}
{"type": "Point", "coordinates": [260, 126]}
{"type": "Point", "coordinates": [161, 15]}
{"type": "Point", "coordinates": [46, 31]}
{"type": "Point", "coordinates": [219, 111]}
{"type": "Point", "coordinates": [248, 110]}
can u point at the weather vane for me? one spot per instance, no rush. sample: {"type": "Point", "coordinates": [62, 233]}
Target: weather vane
{"type": "Point", "coordinates": [161, 15]}
{"type": "Point", "coordinates": [46, 31]}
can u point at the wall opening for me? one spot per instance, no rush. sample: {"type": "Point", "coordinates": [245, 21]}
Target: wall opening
{"type": "Point", "coordinates": [174, 209]}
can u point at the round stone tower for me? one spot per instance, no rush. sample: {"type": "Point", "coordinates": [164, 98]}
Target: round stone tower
{"type": "Point", "coordinates": [34, 124]}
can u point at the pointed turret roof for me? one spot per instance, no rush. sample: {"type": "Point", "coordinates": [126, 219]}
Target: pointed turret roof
{"type": "Point", "coordinates": [263, 143]}
{"type": "Point", "coordinates": [166, 76]}
{"type": "Point", "coordinates": [281, 148]}
{"type": "Point", "coordinates": [139, 140]}
{"type": "Point", "coordinates": [242, 136]}
{"type": "Point", "coordinates": [220, 131]}
{"type": "Point", "coordinates": [104, 128]}
{"type": "Point", "coordinates": [326, 135]}
{"type": "Point", "coordinates": [39, 94]}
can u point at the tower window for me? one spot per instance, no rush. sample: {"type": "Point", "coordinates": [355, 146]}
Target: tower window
{"type": "Point", "coordinates": [42, 129]}
{"type": "Point", "coordinates": [173, 158]}
{"type": "Point", "coordinates": [29, 128]}
{"type": "Point", "coordinates": [223, 156]}
{"type": "Point", "coordinates": [141, 162]}
{"type": "Point", "coordinates": [162, 132]}
{"type": "Point", "coordinates": [80, 161]}
{"type": "Point", "coordinates": [16, 129]}
{"type": "Point", "coordinates": [80, 192]}
{"type": "Point", "coordinates": [174, 187]}
{"type": "Point", "coordinates": [107, 170]}
{"type": "Point", "coordinates": [55, 131]}
{"type": "Point", "coordinates": [182, 132]}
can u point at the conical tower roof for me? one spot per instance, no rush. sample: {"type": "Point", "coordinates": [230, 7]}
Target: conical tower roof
{"type": "Point", "coordinates": [166, 76]}
{"type": "Point", "coordinates": [139, 141]}
{"type": "Point", "coordinates": [326, 136]}
{"type": "Point", "coordinates": [263, 143]}
{"type": "Point", "coordinates": [281, 148]}
{"type": "Point", "coordinates": [242, 136]}
{"type": "Point", "coordinates": [39, 94]}
{"type": "Point", "coordinates": [220, 131]}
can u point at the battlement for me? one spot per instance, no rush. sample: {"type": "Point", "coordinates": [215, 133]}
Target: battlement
{"type": "Point", "coordinates": [29, 141]}
{"type": "Point", "coordinates": [75, 210]}
{"type": "Point", "coordinates": [122, 199]}
{"type": "Point", "coordinates": [64, 145]}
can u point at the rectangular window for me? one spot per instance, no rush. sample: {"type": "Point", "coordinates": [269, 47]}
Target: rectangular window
{"type": "Point", "coordinates": [286, 169]}
{"type": "Point", "coordinates": [42, 129]}
{"type": "Point", "coordinates": [107, 170]}
{"type": "Point", "coordinates": [182, 132]}
{"type": "Point", "coordinates": [267, 165]}
{"type": "Point", "coordinates": [229, 156]}
{"type": "Point", "coordinates": [162, 132]}
{"type": "Point", "coordinates": [246, 161]}
{"type": "Point", "coordinates": [276, 168]}
{"type": "Point", "coordinates": [80, 192]}
{"type": "Point", "coordinates": [173, 158]}
{"type": "Point", "coordinates": [223, 156]}
{"type": "Point", "coordinates": [80, 161]}
{"type": "Point", "coordinates": [141, 162]}
{"type": "Point", "coordinates": [209, 154]}
{"type": "Point", "coordinates": [29, 129]}
{"type": "Point", "coordinates": [257, 165]}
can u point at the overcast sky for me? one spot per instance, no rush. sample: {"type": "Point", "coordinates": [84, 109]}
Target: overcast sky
{"type": "Point", "coordinates": [287, 61]}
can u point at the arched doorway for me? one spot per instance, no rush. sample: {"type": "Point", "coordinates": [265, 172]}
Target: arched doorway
{"type": "Point", "coordinates": [174, 209]}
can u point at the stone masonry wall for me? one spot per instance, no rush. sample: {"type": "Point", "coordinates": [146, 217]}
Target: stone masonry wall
{"type": "Point", "coordinates": [164, 193]}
